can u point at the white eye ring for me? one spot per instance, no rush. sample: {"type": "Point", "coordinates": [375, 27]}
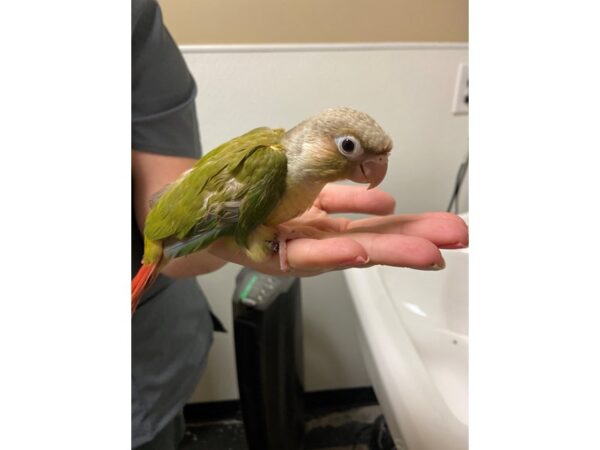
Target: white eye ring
{"type": "Point", "coordinates": [348, 146]}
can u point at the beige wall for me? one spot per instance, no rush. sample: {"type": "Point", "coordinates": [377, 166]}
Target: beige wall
{"type": "Point", "coordinates": [287, 21]}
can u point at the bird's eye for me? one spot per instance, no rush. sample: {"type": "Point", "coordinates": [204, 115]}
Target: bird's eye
{"type": "Point", "coordinates": [348, 145]}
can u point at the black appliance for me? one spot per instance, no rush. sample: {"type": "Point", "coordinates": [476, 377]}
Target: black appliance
{"type": "Point", "coordinates": [267, 316]}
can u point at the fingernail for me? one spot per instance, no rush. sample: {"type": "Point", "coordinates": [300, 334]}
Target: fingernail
{"type": "Point", "coordinates": [359, 261]}
{"type": "Point", "coordinates": [437, 266]}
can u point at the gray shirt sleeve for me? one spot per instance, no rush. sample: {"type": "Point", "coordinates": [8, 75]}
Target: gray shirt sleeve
{"type": "Point", "coordinates": [163, 91]}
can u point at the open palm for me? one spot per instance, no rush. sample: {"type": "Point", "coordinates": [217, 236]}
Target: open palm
{"type": "Point", "coordinates": [325, 242]}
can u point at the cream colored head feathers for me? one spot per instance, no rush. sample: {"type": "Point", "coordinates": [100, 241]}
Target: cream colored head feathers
{"type": "Point", "coordinates": [339, 143]}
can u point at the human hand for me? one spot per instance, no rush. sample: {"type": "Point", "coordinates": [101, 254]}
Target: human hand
{"type": "Point", "coordinates": [334, 243]}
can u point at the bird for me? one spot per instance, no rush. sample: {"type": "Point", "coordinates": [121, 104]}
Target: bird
{"type": "Point", "coordinates": [246, 188]}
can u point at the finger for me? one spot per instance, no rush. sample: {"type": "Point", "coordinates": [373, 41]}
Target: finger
{"type": "Point", "coordinates": [305, 256]}
{"type": "Point", "coordinates": [446, 231]}
{"type": "Point", "coordinates": [428, 215]}
{"type": "Point", "coordinates": [335, 198]}
{"type": "Point", "coordinates": [325, 254]}
{"type": "Point", "coordinates": [401, 251]}
{"type": "Point", "coordinates": [311, 256]}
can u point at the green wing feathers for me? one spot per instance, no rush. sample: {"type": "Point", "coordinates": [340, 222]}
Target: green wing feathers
{"type": "Point", "coordinates": [230, 191]}
{"type": "Point", "coordinates": [264, 173]}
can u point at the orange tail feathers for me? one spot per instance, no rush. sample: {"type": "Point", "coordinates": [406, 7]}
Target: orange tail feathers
{"type": "Point", "coordinates": [142, 280]}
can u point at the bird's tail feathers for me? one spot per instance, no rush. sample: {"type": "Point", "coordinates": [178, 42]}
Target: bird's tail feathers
{"type": "Point", "coordinates": [142, 280]}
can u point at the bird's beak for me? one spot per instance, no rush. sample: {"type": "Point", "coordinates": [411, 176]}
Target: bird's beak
{"type": "Point", "coordinates": [371, 170]}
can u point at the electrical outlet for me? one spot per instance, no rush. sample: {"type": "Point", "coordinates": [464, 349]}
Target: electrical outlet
{"type": "Point", "coordinates": [460, 104]}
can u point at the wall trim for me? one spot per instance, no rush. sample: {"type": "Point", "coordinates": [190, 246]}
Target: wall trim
{"type": "Point", "coordinates": [359, 46]}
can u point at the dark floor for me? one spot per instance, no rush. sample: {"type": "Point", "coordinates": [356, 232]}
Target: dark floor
{"type": "Point", "coordinates": [355, 428]}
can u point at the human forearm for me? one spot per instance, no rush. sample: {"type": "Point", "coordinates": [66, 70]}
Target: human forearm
{"type": "Point", "coordinates": [195, 264]}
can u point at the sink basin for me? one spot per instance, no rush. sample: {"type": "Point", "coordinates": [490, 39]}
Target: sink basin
{"type": "Point", "coordinates": [414, 337]}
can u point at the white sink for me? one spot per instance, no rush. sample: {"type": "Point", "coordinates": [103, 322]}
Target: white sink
{"type": "Point", "coordinates": [414, 335]}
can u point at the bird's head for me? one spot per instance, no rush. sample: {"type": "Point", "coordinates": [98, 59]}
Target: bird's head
{"type": "Point", "coordinates": [339, 143]}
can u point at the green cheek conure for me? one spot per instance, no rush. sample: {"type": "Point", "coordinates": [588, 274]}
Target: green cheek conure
{"type": "Point", "coordinates": [245, 188]}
